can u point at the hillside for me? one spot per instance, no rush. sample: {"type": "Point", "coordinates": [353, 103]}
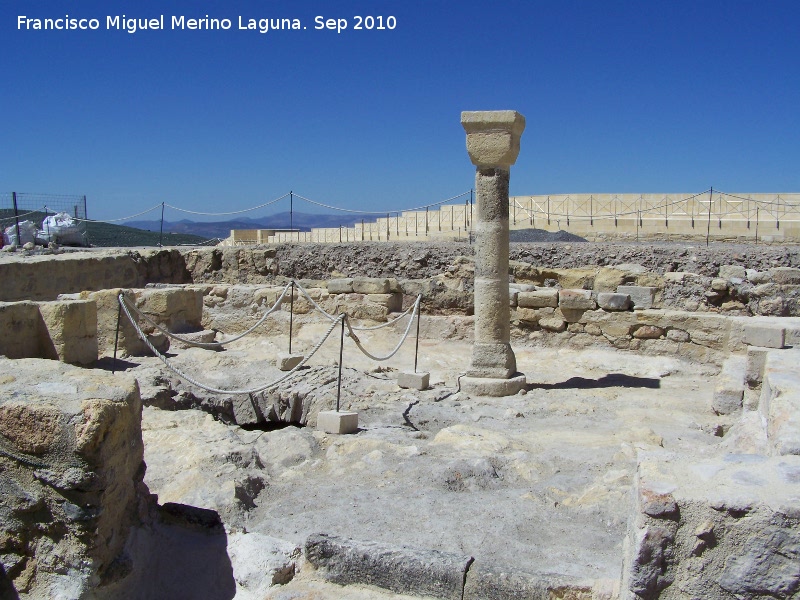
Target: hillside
{"type": "Point", "coordinates": [106, 235]}
{"type": "Point", "coordinates": [222, 229]}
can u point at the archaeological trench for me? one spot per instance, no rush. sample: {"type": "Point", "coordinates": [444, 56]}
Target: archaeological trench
{"type": "Point", "coordinates": [652, 452]}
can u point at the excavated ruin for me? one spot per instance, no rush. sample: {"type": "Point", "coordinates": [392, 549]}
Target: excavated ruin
{"type": "Point", "coordinates": [654, 451]}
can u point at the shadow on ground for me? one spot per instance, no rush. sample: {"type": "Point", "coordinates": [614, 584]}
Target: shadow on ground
{"type": "Point", "coordinates": [606, 381]}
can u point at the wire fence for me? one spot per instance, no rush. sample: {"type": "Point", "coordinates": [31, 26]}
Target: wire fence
{"type": "Point", "coordinates": [43, 218]}
{"type": "Point", "coordinates": [709, 214]}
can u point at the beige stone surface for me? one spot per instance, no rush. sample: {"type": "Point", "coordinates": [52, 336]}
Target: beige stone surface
{"type": "Point", "coordinates": [493, 137]}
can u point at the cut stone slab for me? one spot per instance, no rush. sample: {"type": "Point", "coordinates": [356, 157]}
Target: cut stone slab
{"type": "Point", "coordinates": [287, 362]}
{"type": "Point", "coordinates": [340, 286]}
{"type": "Point", "coordinates": [613, 302]}
{"type": "Point", "coordinates": [729, 390]}
{"type": "Point", "coordinates": [331, 421]}
{"type": "Point", "coordinates": [370, 285]}
{"type": "Point", "coordinates": [642, 297]}
{"type": "Point", "coordinates": [538, 299]}
{"type": "Point", "coordinates": [756, 361]}
{"type": "Point", "coordinates": [779, 404]}
{"type": "Point", "coordinates": [767, 336]}
{"type": "Point", "coordinates": [576, 299]}
{"type": "Point", "coordinates": [401, 569]}
{"type": "Point", "coordinates": [492, 583]}
{"type": "Point", "coordinates": [415, 381]}
{"type": "Point", "coordinates": [489, 386]}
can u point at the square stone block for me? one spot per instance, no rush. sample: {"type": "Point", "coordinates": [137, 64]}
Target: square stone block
{"type": "Point", "coordinates": [642, 297]}
{"type": "Point", "coordinates": [576, 300]}
{"type": "Point", "coordinates": [331, 421]}
{"type": "Point", "coordinates": [613, 302]}
{"type": "Point", "coordinates": [287, 362]}
{"type": "Point", "coordinates": [415, 381]}
{"type": "Point", "coordinates": [371, 285]}
{"type": "Point", "coordinates": [538, 299]}
{"type": "Point", "coordinates": [766, 336]}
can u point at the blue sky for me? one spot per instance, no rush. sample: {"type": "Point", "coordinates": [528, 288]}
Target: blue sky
{"type": "Point", "coordinates": [618, 97]}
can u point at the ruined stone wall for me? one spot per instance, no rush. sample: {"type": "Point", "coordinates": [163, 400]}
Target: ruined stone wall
{"type": "Point", "coordinates": [71, 471]}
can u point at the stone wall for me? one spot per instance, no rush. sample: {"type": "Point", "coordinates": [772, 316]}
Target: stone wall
{"type": "Point", "coordinates": [71, 471]}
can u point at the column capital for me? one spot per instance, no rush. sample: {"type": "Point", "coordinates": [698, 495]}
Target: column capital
{"type": "Point", "coordinates": [493, 137]}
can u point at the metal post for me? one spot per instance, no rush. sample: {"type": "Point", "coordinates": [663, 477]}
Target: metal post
{"type": "Point", "coordinates": [161, 235]}
{"type": "Point", "coordinates": [16, 216]}
{"type": "Point", "coordinates": [708, 228]}
{"type": "Point", "coordinates": [291, 212]}
{"type": "Point", "coordinates": [756, 224]}
{"type": "Point", "coordinates": [426, 220]}
{"type": "Point", "coordinates": [387, 227]}
{"type": "Point", "coordinates": [416, 344]}
{"type": "Point", "coordinates": [116, 335]}
{"type": "Point", "coordinates": [341, 354]}
{"type": "Point", "coordinates": [85, 224]}
{"type": "Point", "coordinates": [291, 315]}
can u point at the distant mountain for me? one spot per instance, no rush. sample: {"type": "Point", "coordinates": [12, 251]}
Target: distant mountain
{"type": "Point", "coordinates": [222, 229]}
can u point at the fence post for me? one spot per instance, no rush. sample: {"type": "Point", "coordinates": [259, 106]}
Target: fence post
{"type": "Point", "coordinates": [85, 222]}
{"type": "Point", "coordinates": [710, 200]}
{"type": "Point", "coordinates": [291, 212]}
{"type": "Point", "coordinates": [161, 235]}
{"type": "Point", "coordinates": [16, 216]}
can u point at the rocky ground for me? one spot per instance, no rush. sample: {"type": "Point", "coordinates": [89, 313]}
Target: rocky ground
{"type": "Point", "coordinates": [537, 483]}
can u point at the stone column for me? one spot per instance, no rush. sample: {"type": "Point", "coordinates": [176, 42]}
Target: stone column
{"type": "Point", "coordinates": [493, 145]}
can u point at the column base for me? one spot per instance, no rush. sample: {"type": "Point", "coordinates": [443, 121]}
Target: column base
{"type": "Point", "coordinates": [494, 387]}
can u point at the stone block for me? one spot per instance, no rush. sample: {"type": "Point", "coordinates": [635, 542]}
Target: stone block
{"type": "Point", "coordinates": [690, 510]}
{"type": "Point", "coordinates": [732, 271]}
{"type": "Point", "coordinates": [287, 362]}
{"type": "Point", "coordinates": [70, 331]}
{"type": "Point", "coordinates": [401, 569]}
{"type": "Point", "coordinates": [718, 284]}
{"type": "Point", "coordinates": [177, 309]}
{"type": "Point", "coordinates": [756, 361]}
{"type": "Point", "coordinates": [642, 297]}
{"type": "Point", "coordinates": [538, 299]}
{"type": "Point", "coordinates": [392, 302]}
{"type": "Point", "coordinates": [493, 387]}
{"type": "Point", "coordinates": [576, 300]}
{"type": "Point", "coordinates": [785, 275]}
{"type": "Point", "coordinates": [331, 421]}
{"type": "Point", "coordinates": [613, 302]}
{"type": "Point", "coordinates": [340, 286]}
{"type": "Point", "coordinates": [766, 336]}
{"type": "Point", "coordinates": [528, 315]}
{"type": "Point", "coordinates": [80, 432]}
{"type": "Point", "coordinates": [488, 583]}
{"type": "Point", "coordinates": [648, 332]}
{"type": "Point", "coordinates": [493, 137]}
{"type": "Point", "coordinates": [554, 324]}
{"type": "Point", "coordinates": [371, 285]}
{"type": "Point", "coordinates": [414, 381]}
{"type": "Point", "coordinates": [20, 325]}
{"type": "Point", "coordinates": [729, 386]}
{"type": "Point", "coordinates": [779, 404]}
